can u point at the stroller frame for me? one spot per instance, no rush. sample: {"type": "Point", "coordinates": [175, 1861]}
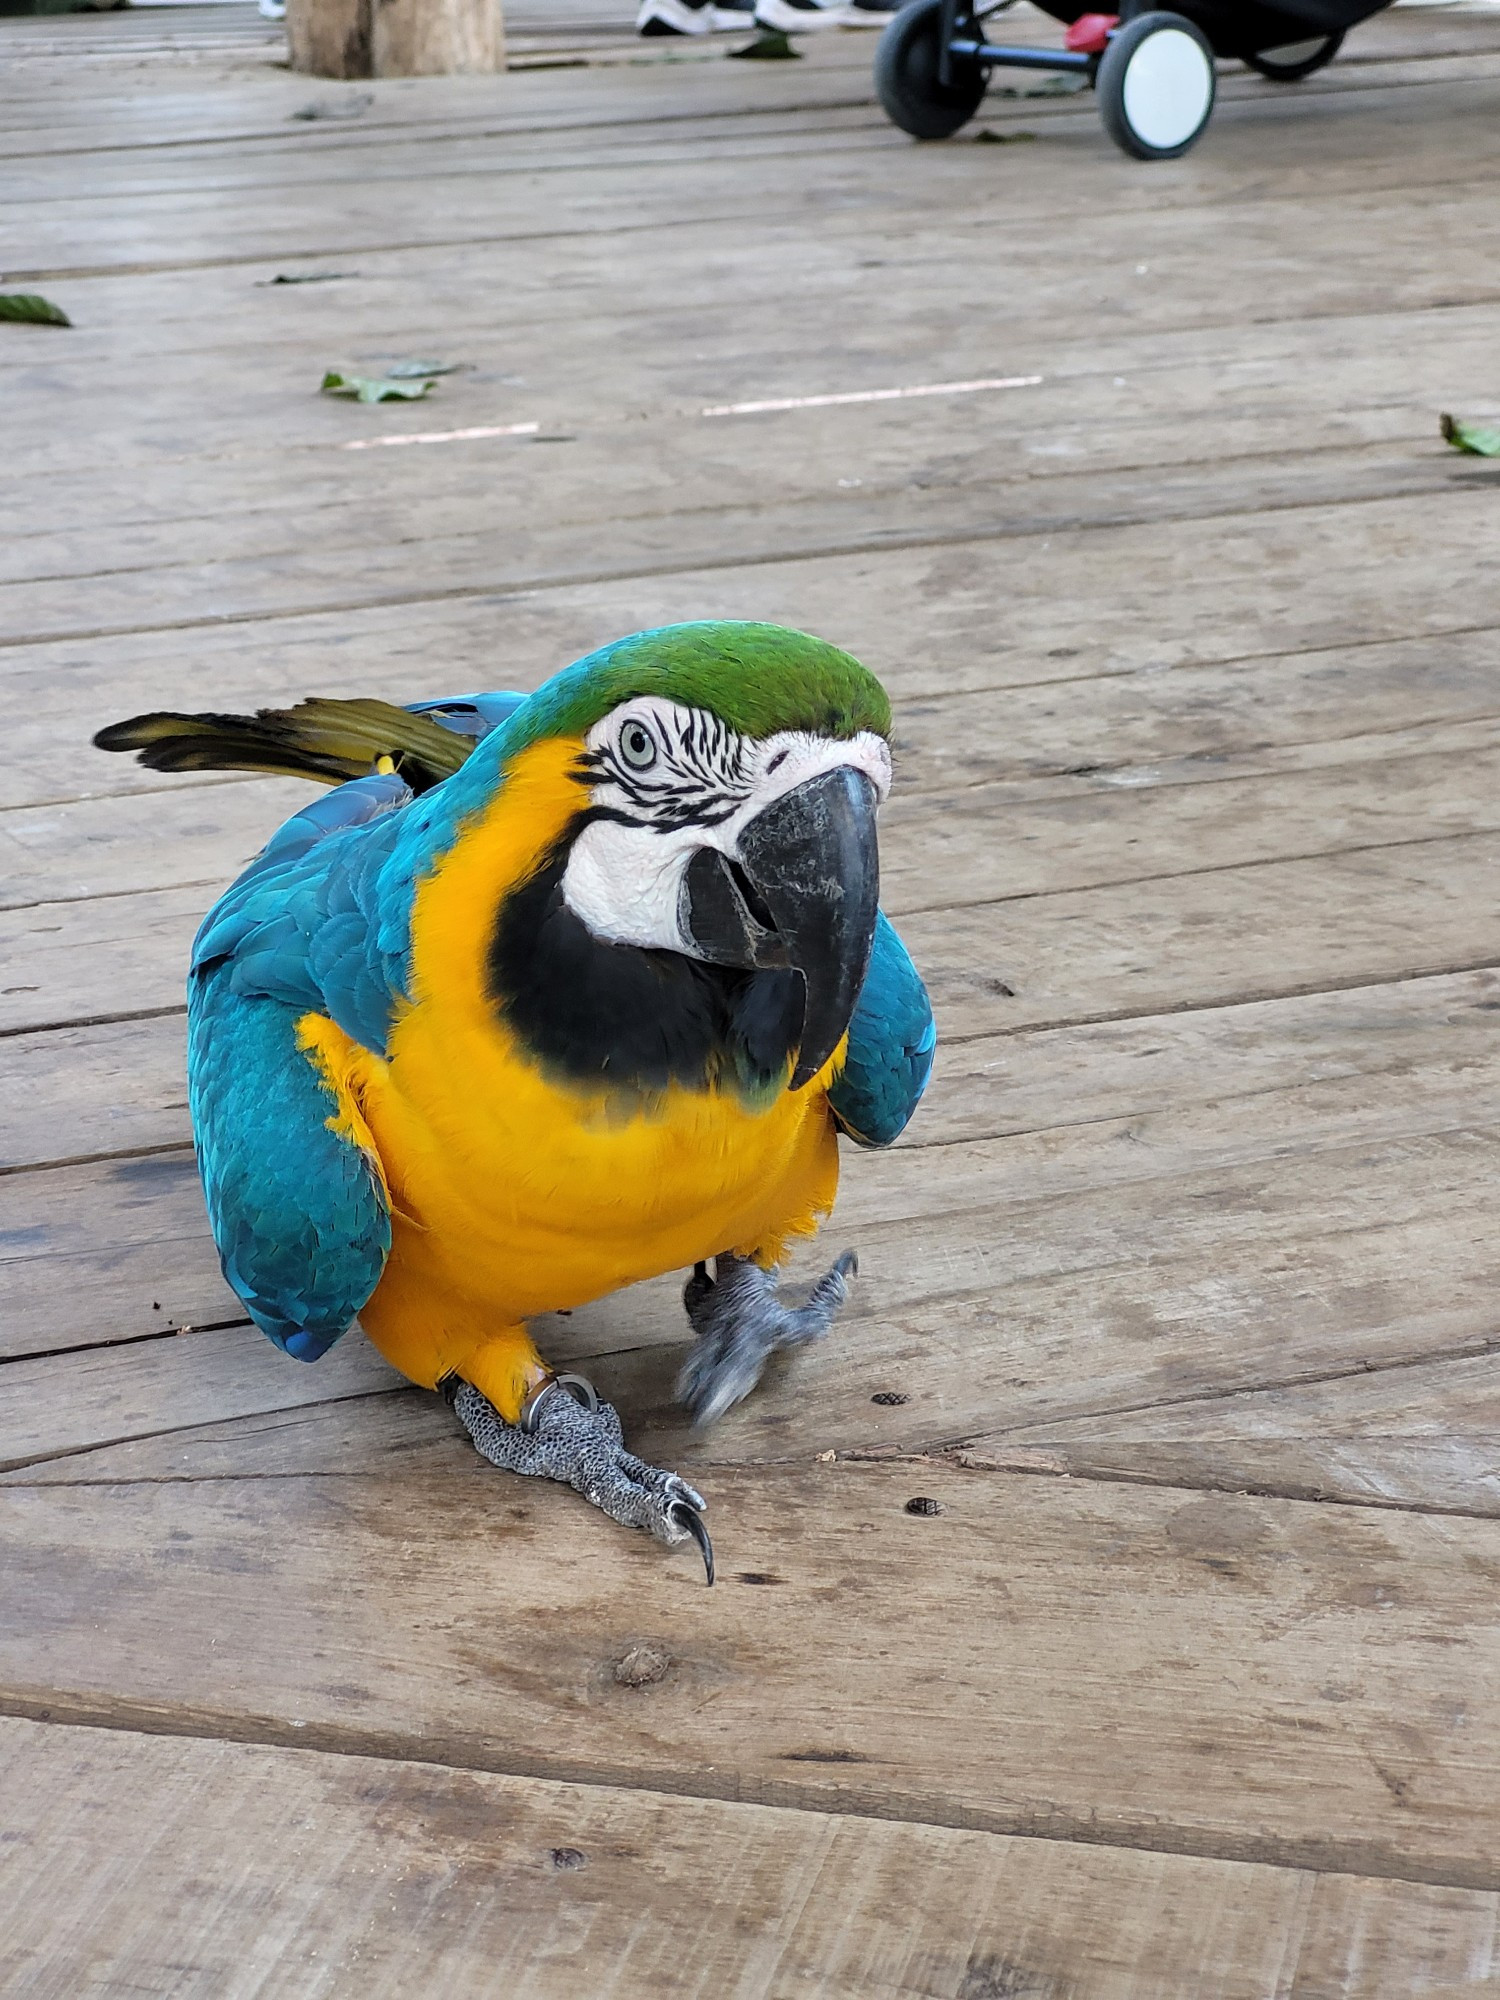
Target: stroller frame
{"type": "Point", "coordinates": [1152, 64]}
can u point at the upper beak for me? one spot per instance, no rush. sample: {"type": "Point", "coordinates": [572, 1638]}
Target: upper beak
{"type": "Point", "coordinates": [800, 893]}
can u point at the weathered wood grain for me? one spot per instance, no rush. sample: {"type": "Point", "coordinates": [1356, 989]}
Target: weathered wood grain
{"type": "Point", "coordinates": [1193, 649]}
{"type": "Point", "coordinates": [1425, 1436]}
{"type": "Point", "coordinates": [1256, 1679]}
{"type": "Point", "coordinates": [533, 553]}
{"type": "Point", "coordinates": [224, 1870]}
{"type": "Point", "coordinates": [1210, 938]}
{"type": "Point", "coordinates": [1058, 1278]}
{"type": "Point", "coordinates": [1137, 398]}
{"type": "Point", "coordinates": [118, 1088]}
{"type": "Point", "coordinates": [1186, 597]}
{"type": "Point", "coordinates": [977, 846]}
{"type": "Point", "coordinates": [1062, 734]}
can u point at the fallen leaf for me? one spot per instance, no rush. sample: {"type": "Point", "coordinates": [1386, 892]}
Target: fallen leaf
{"type": "Point", "coordinates": [354, 106]}
{"type": "Point", "coordinates": [36, 311]}
{"type": "Point", "coordinates": [374, 388]}
{"type": "Point", "coordinates": [772, 46]}
{"type": "Point", "coordinates": [306, 278]}
{"type": "Point", "coordinates": [1483, 440]}
{"type": "Point", "coordinates": [404, 371]}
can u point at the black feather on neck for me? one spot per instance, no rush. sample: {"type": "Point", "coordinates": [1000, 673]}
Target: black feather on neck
{"type": "Point", "coordinates": [615, 1015]}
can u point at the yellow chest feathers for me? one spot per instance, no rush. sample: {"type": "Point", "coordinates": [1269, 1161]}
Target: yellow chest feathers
{"type": "Point", "coordinates": [520, 1190]}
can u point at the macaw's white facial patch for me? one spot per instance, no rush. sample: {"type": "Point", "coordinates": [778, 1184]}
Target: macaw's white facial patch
{"type": "Point", "coordinates": [665, 781]}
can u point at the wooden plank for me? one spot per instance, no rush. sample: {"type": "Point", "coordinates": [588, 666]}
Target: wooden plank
{"type": "Point", "coordinates": [1426, 1436]}
{"type": "Point", "coordinates": [978, 846]}
{"type": "Point", "coordinates": [1178, 597]}
{"type": "Point", "coordinates": [1212, 939]}
{"type": "Point", "coordinates": [1085, 723]}
{"type": "Point", "coordinates": [534, 552]}
{"type": "Point", "coordinates": [1446, 139]}
{"type": "Point", "coordinates": [109, 1393]}
{"type": "Point", "coordinates": [1254, 1679]}
{"type": "Point", "coordinates": [117, 1089]}
{"type": "Point", "coordinates": [1112, 404]}
{"type": "Point", "coordinates": [1062, 1279]}
{"type": "Point", "coordinates": [263, 1867]}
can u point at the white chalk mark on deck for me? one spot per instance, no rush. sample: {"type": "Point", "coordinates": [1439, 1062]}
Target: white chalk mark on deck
{"type": "Point", "coordinates": [443, 437]}
{"type": "Point", "coordinates": [872, 396]}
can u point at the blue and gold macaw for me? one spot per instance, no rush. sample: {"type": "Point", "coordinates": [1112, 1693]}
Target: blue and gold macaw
{"type": "Point", "coordinates": [554, 993]}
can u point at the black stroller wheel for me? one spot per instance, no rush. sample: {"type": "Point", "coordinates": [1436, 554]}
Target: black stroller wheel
{"type": "Point", "coordinates": [1155, 86]}
{"type": "Point", "coordinates": [906, 76]}
{"type": "Point", "coordinates": [1295, 60]}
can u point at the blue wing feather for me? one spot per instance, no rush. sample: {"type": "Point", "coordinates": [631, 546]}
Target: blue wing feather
{"type": "Point", "coordinates": [298, 1212]}
{"type": "Point", "coordinates": [891, 1042]}
{"type": "Point", "coordinates": [470, 714]}
{"type": "Point", "coordinates": [319, 922]}
{"type": "Point", "coordinates": [302, 924]}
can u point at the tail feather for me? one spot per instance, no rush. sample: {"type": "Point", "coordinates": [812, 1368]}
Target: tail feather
{"type": "Point", "coordinates": [330, 740]}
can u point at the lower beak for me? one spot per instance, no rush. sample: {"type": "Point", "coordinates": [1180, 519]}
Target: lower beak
{"type": "Point", "coordinates": [800, 893]}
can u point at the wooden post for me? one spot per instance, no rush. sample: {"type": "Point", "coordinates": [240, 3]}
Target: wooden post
{"type": "Point", "coordinates": [354, 38]}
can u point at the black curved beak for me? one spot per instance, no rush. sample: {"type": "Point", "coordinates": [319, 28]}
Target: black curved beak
{"type": "Point", "coordinates": [801, 894]}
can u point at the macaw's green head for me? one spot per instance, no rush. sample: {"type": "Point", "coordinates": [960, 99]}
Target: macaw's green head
{"type": "Point", "coordinates": [731, 775]}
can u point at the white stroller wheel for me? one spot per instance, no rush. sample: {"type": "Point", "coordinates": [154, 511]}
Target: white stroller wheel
{"type": "Point", "coordinates": [1156, 86]}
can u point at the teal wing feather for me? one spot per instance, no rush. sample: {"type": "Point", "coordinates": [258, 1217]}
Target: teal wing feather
{"type": "Point", "coordinates": [320, 921]}
{"type": "Point", "coordinates": [298, 1212]}
{"type": "Point", "coordinates": [892, 1038]}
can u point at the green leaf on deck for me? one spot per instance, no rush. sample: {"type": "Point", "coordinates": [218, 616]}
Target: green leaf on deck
{"type": "Point", "coordinates": [772, 46]}
{"type": "Point", "coordinates": [375, 388]}
{"type": "Point", "coordinates": [1483, 440]}
{"type": "Point", "coordinates": [28, 307]}
{"type": "Point", "coordinates": [406, 371]}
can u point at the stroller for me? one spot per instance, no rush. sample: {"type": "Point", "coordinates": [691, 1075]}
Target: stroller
{"type": "Point", "coordinates": [1152, 71]}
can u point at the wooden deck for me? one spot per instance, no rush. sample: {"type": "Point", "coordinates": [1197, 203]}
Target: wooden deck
{"type": "Point", "coordinates": [1183, 1297]}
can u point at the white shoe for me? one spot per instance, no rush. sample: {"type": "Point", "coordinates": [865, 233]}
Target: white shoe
{"type": "Point", "coordinates": [802, 17]}
{"type": "Point", "coordinates": [684, 17]}
{"type": "Point", "coordinates": [799, 17]}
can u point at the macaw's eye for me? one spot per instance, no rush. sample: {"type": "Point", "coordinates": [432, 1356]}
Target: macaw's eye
{"type": "Point", "coordinates": [637, 746]}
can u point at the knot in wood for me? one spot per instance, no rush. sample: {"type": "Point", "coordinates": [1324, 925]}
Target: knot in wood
{"type": "Point", "coordinates": [641, 1666]}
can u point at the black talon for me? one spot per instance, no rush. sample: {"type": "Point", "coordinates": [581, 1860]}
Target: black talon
{"type": "Point", "coordinates": [697, 1288]}
{"type": "Point", "coordinates": [689, 1518]}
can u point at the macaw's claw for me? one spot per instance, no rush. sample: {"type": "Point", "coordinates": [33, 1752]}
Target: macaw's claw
{"type": "Point", "coordinates": [580, 1441]}
{"type": "Point", "coordinates": [741, 1320]}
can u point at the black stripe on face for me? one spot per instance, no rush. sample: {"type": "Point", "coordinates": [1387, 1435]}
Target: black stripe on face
{"type": "Point", "coordinates": [698, 778]}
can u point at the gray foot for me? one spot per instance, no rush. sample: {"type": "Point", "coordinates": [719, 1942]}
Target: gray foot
{"type": "Point", "coordinates": [582, 1442]}
{"type": "Point", "coordinates": [740, 1322]}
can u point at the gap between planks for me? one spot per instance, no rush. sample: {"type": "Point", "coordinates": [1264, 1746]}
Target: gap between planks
{"type": "Point", "coordinates": [1021, 528]}
{"type": "Point", "coordinates": [1265, 1599]}
{"type": "Point", "coordinates": [1309, 1855]}
{"type": "Point", "coordinates": [832, 1899]}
